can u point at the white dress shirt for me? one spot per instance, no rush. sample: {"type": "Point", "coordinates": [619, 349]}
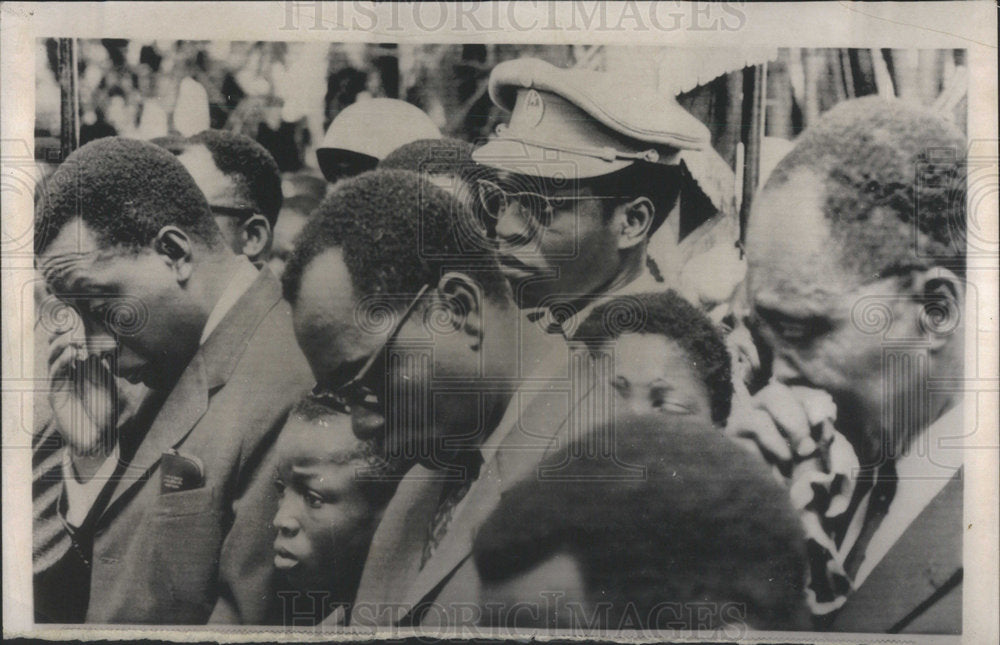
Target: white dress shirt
{"type": "Point", "coordinates": [80, 496]}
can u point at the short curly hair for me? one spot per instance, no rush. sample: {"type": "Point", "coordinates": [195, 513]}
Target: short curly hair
{"type": "Point", "coordinates": [398, 232]}
{"type": "Point", "coordinates": [669, 315]}
{"type": "Point", "coordinates": [881, 157]}
{"type": "Point", "coordinates": [252, 166]}
{"type": "Point", "coordinates": [432, 156]}
{"type": "Point", "coordinates": [381, 475]}
{"type": "Point", "coordinates": [125, 191]}
{"type": "Point", "coordinates": [451, 159]}
{"type": "Point", "coordinates": [677, 518]}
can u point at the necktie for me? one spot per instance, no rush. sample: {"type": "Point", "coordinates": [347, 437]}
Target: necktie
{"type": "Point", "coordinates": [51, 541]}
{"type": "Point", "coordinates": [453, 491]}
{"type": "Point", "coordinates": [881, 497]}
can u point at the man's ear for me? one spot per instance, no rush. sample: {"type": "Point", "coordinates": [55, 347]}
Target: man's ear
{"type": "Point", "coordinates": [634, 218]}
{"type": "Point", "coordinates": [463, 306]}
{"type": "Point", "coordinates": [941, 295]}
{"type": "Point", "coordinates": [257, 236]}
{"type": "Point", "coordinates": [175, 248]}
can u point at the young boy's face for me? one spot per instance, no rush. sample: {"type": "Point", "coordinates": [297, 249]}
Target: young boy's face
{"type": "Point", "coordinates": [324, 522]}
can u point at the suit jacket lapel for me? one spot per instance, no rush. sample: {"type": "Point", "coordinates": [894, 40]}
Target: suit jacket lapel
{"type": "Point", "coordinates": [207, 372]}
{"type": "Point", "coordinates": [456, 545]}
{"type": "Point", "coordinates": [396, 548]}
{"type": "Point", "coordinates": [223, 349]}
{"type": "Point", "coordinates": [926, 556]}
{"type": "Point", "coordinates": [183, 407]}
{"type": "Point", "coordinates": [531, 437]}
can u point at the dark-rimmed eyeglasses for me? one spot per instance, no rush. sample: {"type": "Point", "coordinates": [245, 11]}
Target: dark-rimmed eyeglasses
{"type": "Point", "coordinates": [495, 200]}
{"type": "Point", "coordinates": [356, 391]}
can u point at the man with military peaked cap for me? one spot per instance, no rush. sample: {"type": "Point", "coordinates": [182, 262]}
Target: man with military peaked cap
{"type": "Point", "coordinates": [590, 166]}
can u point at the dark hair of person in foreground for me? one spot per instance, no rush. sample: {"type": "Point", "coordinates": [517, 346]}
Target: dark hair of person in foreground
{"type": "Point", "coordinates": [678, 520]}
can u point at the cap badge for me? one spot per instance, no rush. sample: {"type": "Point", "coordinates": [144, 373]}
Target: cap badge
{"type": "Point", "coordinates": [533, 108]}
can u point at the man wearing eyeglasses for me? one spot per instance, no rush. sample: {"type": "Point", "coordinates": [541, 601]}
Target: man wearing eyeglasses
{"type": "Point", "coordinates": [419, 340]}
{"type": "Point", "coordinates": [589, 168]}
{"type": "Point", "coordinates": [242, 184]}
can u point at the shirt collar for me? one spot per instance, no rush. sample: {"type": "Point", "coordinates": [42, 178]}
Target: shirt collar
{"type": "Point", "coordinates": [937, 453]}
{"type": "Point", "coordinates": [242, 278]}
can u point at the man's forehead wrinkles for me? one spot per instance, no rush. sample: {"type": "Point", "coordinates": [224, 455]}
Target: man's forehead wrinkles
{"type": "Point", "coordinates": [68, 257]}
{"type": "Point", "coordinates": [790, 296]}
{"type": "Point", "coordinates": [58, 267]}
{"type": "Point", "coordinates": [780, 275]}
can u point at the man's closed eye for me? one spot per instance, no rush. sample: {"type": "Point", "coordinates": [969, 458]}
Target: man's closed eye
{"type": "Point", "coordinates": [791, 328]}
{"type": "Point", "coordinates": [665, 400]}
{"type": "Point", "coordinates": [314, 499]}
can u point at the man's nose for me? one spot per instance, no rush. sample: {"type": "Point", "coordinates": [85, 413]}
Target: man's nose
{"type": "Point", "coordinates": [284, 520]}
{"type": "Point", "coordinates": [367, 423]}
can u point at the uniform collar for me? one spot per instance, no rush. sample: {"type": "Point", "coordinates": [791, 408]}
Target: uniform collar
{"type": "Point", "coordinates": [643, 283]}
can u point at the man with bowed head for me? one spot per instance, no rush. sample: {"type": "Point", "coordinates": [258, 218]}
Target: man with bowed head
{"type": "Point", "coordinates": [169, 518]}
{"type": "Point", "coordinates": [440, 379]}
{"type": "Point", "coordinates": [867, 214]}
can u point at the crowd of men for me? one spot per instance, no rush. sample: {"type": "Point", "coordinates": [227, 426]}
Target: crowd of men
{"type": "Point", "coordinates": [470, 399]}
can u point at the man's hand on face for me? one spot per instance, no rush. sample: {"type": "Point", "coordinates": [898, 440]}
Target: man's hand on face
{"type": "Point", "coordinates": [84, 401]}
{"type": "Point", "coordinates": [792, 429]}
{"type": "Point", "coordinates": [783, 423]}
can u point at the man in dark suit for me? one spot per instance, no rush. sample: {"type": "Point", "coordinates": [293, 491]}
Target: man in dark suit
{"type": "Point", "coordinates": [242, 184]}
{"type": "Point", "coordinates": [170, 515]}
{"type": "Point", "coordinates": [416, 335]}
{"type": "Point", "coordinates": [856, 250]}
